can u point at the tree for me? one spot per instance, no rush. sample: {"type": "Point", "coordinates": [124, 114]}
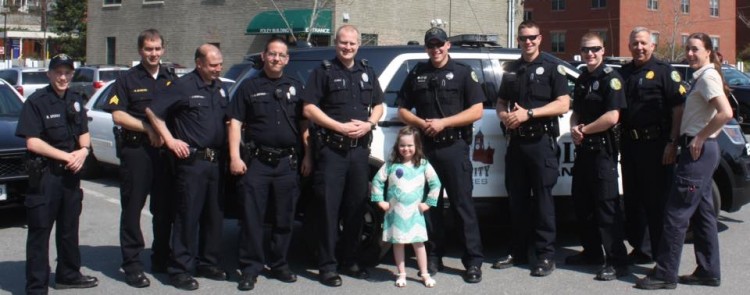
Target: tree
{"type": "Point", "coordinates": [68, 20]}
{"type": "Point", "coordinates": [313, 17]}
{"type": "Point", "coordinates": [671, 22]}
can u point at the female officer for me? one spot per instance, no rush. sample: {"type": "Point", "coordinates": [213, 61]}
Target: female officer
{"type": "Point", "coordinates": [706, 111]}
{"type": "Point", "coordinates": [53, 122]}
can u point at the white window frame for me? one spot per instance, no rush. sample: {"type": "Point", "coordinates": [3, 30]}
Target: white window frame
{"type": "Point", "coordinates": [105, 4]}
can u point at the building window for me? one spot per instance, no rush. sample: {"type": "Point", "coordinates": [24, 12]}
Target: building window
{"type": "Point", "coordinates": [111, 51]}
{"type": "Point", "coordinates": [112, 2]}
{"type": "Point", "coordinates": [653, 4]}
{"type": "Point", "coordinates": [558, 41]}
{"type": "Point", "coordinates": [598, 3]}
{"type": "Point", "coordinates": [715, 41]}
{"type": "Point", "coordinates": [684, 39]}
{"type": "Point", "coordinates": [713, 7]}
{"type": "Point", "coordinates": [558, 5]}
{"type": "Point", "coordinates": [153, 1]}
{"type": "Point", "coordinates": [369, 39]}
{"type": "Point", "coordinates": [685, 6]}
{"type": "Point", "coordinates": [528, 15]}
{"type": "Point", "coordinates": [655, 38]}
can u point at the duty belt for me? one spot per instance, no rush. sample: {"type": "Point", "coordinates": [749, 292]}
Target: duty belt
{"type": "Point", "coordinates": [448, 136]}
{"type": "Point", "coordinates": [271, 156]}
{"type": "Point", "coordinates": [594, 143]}
{"type": "Point", "coordinates": [206, 154]}
{"type": "Point", "coordinates": [341, 142]}
{"type": "Point", "coordinates": [532, 130]}
{"type": "Point", "coordinates": [134, 138]}
{"type": "Point", "coordinates": [647, 133]}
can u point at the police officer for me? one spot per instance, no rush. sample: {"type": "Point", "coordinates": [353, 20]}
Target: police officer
{"type": "Point", "coordinates": [53, 121]}
{"type": "Point", "coordinates": [650, 126]}
{"type": "Point", "coordinates": [690, 201]}
{"type": "Point", "coordinates": [271, 110]}
{"type": "Point", "coordinates": [598, 98]}
{"type": "Point", "coordinates": [533, 93]}
{"type": "Point", "coordinates": [144, 168]}
{"type": "Point", "coordinates": [196, 105]}
{"type": "Point", "coordinates": [448, 98]}
{"type": "Point", "coordinates": [343, 97]}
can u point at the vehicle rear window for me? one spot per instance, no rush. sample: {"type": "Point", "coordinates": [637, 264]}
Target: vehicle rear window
{"type": "Point", "coordinates": [9, 76]}
{"type": "Point", "coordinates": [10, 104]}
{"type": "Point", "coordinates": [83, 75]}
{"type": "Point", "coordinates": [35, 78]}
{"type": "Point", "coordinates": [109, 75]}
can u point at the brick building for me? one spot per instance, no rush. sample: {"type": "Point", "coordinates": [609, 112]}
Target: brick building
{"type": "Point", "coordinates": [241, 27]}
{"type": "Point", "coordinates": [564, 22]}
{"type": "Point", "coordinates": [743, 28]}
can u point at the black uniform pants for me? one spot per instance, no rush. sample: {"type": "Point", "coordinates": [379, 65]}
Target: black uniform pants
{"type": "Point", "coordinates": [144, 170]}
{"type": "Point", "coordinates": [597, 206]}
{"type": "Point", "coordinates": [451, 162]}
{"type": "Point", "coordinates": [199, 215]}
{"type": "Point", "coordinates": [531, 165]}
{"type": "Point", "coordinates": [645, 183]}
{"type": "Point", "coordinates": [690, 201]}
{"type": "Point", "coordinates": [340, 183]}
{"type": "Point", "coordinates": [260, 185]}
{"type": "Point", "coordinates": [58, 202]}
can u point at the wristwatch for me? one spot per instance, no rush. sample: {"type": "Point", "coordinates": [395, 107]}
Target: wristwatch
{"type": "Point", "coordinates": [530, 112]}
{"type": "Point", "coordinates": [372, 125]}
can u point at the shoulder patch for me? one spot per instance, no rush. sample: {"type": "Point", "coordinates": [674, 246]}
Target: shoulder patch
{"type": "Point", "coordinates": [114, 100]}
{"type": "Point", "coordinates": [561, 69]}
{"type": "Point", "coordinates": [675, 76]}
{"type": "Point", "coordinates": [474, 76]}
{"type": "Point", "coordinates": [607, 69]}
{"type": "Point", "coordinates": [615, 84]}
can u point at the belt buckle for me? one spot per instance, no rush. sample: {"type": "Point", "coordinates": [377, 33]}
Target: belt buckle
{"type": "Point", "coordinates": [210, 155]}
{"type": "Point", "coordinates": [634, 134]}
{"type": "Point", "coordinates": [353, 143]}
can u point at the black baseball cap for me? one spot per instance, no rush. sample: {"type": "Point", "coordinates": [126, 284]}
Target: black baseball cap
{"type": "Point", "coordinates": [61, 59]}
{"type": "Point", "coordinates": [435, 34]}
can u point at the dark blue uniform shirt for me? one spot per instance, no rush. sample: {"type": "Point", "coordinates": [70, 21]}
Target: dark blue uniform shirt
{"type": "Point", "coordinates": [56, 120]}
{"type": "Point", "coordinates": [457, 88]}
{"type": "Point", "coordinates": [533, 84]}
{"type": "Point", "coordinates": [135, 89]}
{"type": "Point", "coordinates": [266, 106]}
{"type": "Point", "coordinates": [196, 110]}
{"type": "Point", "coordinates": [344, 94]}
{"type": "Point", "coordinates": [596, 93]}
{"type": "Point", "coordinates": [651, 91]}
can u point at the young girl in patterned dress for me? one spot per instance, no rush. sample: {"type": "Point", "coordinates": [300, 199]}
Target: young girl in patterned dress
{"type": "Point", "coordinates": [406, 173]}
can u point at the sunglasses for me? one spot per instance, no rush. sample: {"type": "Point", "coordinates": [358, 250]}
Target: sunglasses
{"type": "Point", "coordinates": [592, 49]}
{"type": "Point", "coordinates": [527, 38]}
{"type": "Point", "coordinates": [434, 45]}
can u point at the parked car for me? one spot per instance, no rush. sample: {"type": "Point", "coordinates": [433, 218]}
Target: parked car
{"type": "Point", "coordinates": [88, 79]}
{"type": "Point", "coordinates": [25, 80]}
{"type": "Point", "coordinates": [100, 129]}
{"type": "Point", "coordinates": [13, 177]}
{"type": "Point", "coordinates": [393, 63]}
{"type": "Point", "coordinates": [238, 69]}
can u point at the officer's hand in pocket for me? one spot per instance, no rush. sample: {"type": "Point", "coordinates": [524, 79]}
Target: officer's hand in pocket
{"type": "Point", "coordinates": [237, 166]}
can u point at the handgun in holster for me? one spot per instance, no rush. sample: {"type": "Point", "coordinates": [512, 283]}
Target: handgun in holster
{"type": "Point", "coordinates": [246, 151]}
{"type": "Point", "coordinates": [117, 131]}
{"type": "Point", "coordinates": [34, 166]}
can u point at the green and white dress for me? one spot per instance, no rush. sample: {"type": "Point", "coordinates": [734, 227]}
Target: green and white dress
{"type": "Point", "coordinates": [403, 223]}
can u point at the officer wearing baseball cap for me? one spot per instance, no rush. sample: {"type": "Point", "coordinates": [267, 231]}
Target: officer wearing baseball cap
{"type": "Point", "coordinates": [447, 98]}
{"type": "Point", "coordinates": [54, 124]}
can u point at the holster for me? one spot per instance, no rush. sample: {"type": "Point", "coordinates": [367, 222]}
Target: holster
{"type": "Point", "coordinates": [117, 131]}
{"type": "Point", "coordinates": [35, 167]}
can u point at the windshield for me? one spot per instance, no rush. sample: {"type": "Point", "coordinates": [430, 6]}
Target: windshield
{"type": "Point", "coordinates": [10, 104]}
{"type": "Point", "coordinates": [735, 77]}
{"type": "Point", "coordinates": [35, 78]}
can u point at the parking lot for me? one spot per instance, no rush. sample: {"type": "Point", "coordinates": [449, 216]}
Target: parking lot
{"type": "Point", "coordinates": [101, 258]}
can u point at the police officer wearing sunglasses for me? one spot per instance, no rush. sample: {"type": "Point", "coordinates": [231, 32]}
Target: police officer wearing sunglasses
{"type": "Point", "coordinates": [534, 92]}
{"type": "Point", "coordinates": [53, 121]}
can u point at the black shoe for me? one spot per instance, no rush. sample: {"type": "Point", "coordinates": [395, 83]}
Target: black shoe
{"type": "Point", "coordinates": [329, 278]}
{"type": "Point", "coordinates": [651, 283]}
{"type": "Point", "coordinates": [284, 275]}
{"type": "Point", "coordinates": [473, 274]}
{"type": "Point", "coordinates": [434, 264]}
{"type": "Point", "coordinates": [543, 268]}
{"type": "Point", "coordinates": [184, 281]}
{"type": "Point", "coordinates": [81, 282]}
{"type": "Point", "coordinates": [696, 280]}
{"type": "Point", "coordinates": [637, 257]}
{"type": "Point", "coordinates": [247, 282]}
{"type": "Point", "coordinates": [355, 271]}
{"type": "Point", "coordinates": [211, 272]}
{"type": "Point", "coordinates": [137, 279]}
{"type": "Point", "coordinates": [609, 272]}
{"type": "Point", "coordinates": [584, 259]}
{"type": "Point", "coordinates": [508, 261]}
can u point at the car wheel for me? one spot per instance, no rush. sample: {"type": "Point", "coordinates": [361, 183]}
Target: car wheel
{"type": "Point", "coordinates": [371, 247]}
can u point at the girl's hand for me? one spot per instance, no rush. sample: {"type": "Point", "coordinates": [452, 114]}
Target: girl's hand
{"type": "Point", "coordinates": [384, 205]}
{"type": "Point", "coordinates": [423, 207]}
